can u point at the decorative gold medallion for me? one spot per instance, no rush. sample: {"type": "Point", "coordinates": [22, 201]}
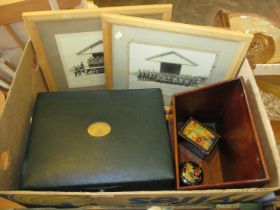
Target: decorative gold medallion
{"type": "Point", "coordinates": [99, 129]}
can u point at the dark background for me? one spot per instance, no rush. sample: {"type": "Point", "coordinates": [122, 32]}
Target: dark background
{"type": "Point", "coordinates": [202, 12]}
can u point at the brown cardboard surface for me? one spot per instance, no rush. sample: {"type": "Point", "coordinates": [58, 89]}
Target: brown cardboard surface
{"type": "Point", "coordinates": [14, 122]}
{"type": "Point", "coordinates": [263, 125]}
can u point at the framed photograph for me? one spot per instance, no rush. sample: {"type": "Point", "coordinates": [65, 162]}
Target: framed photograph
{"type": "Point", "coordinates": [145, 53]}
{"type": "Point", "coordinates": [69, 43]}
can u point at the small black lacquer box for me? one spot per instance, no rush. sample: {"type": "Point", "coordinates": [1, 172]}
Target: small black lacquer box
{"type": "Point", "coordinates": [198, 138]}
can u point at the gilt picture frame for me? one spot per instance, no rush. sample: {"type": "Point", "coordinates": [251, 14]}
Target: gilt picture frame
{"type": "Point", "coordinates": [69, 43]}
{"type": "Point", "coordinates": [145, 53]}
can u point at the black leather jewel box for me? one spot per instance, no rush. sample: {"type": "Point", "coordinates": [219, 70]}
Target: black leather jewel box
{"type": "Point", "coordinates": [99, 140]}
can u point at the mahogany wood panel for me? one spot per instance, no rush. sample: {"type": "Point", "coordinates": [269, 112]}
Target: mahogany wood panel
{"type": "Point", "coordinates": [238, 159]}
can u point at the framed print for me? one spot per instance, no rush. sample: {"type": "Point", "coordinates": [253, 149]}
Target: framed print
{"type": "Point", "coordinates": [69, 43]}
{"type": "Point", "coordinates": [145, 53]}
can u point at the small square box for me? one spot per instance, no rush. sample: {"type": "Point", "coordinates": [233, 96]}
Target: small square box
{"type": "Point", "coordinates": [198, 138]}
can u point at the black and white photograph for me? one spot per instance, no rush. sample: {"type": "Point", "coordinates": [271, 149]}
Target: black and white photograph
{"type": "Point", "coordinates": [171, 69]}
{"type": "Point", "coordinates": [82, 58]}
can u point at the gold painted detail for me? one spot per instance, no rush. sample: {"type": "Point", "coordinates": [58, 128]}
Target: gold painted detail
{"type": "Point", "coordinates": [168, 112]}
{"type": "Point", "coordinates": [99, 129]}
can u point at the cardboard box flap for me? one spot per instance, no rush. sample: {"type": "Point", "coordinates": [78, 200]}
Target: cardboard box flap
{"type": "Point", "coordinates": [263, 125]}
{"type": "Point", "coordinates": [14, 119]}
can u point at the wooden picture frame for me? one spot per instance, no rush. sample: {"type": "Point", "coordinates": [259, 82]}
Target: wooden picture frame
{"type": "Point", "coordinates": [132, 43]}
{"type": "Point", "coordinates": [53, 33]}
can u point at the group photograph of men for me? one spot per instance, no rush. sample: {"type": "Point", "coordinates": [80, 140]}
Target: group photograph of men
{"type": "Point", "coordinates": [170, 78]}
{"type": "Point", "coordinates": [95, 65]}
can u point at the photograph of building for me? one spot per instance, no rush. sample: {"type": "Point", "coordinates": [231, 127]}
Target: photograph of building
{"type": "Point", "coordinates": [91, 60]}
{"type": "Point", "coordinates": [170, 68]}
{"type": "Point", "coordinates": [82, 58]}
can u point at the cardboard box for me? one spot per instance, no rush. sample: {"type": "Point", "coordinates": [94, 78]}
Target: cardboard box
{"type": "Point", "coordinates": [15, 121]}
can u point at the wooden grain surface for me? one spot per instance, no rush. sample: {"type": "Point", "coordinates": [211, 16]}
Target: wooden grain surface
{"type": "Point", "coordinates": [66, 4]}
{"type": "Point", "coordinates": [2, 100]}
{"type": "Point", "coordinates": [7, 204]}
{"type": "Point", "coordinates": [276, 128]}
{"type": "Point", "coordinates": [239, 161]}
{"type": "Point", "coordinates": [11, 10]}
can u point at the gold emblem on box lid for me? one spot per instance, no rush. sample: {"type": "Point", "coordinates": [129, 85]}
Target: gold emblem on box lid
{"type": "Point", "coordinates": [99, 129]}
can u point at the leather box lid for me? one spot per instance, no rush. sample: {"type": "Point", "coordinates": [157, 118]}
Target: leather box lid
{"type": "Point", "coordinates": [61, 153]}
